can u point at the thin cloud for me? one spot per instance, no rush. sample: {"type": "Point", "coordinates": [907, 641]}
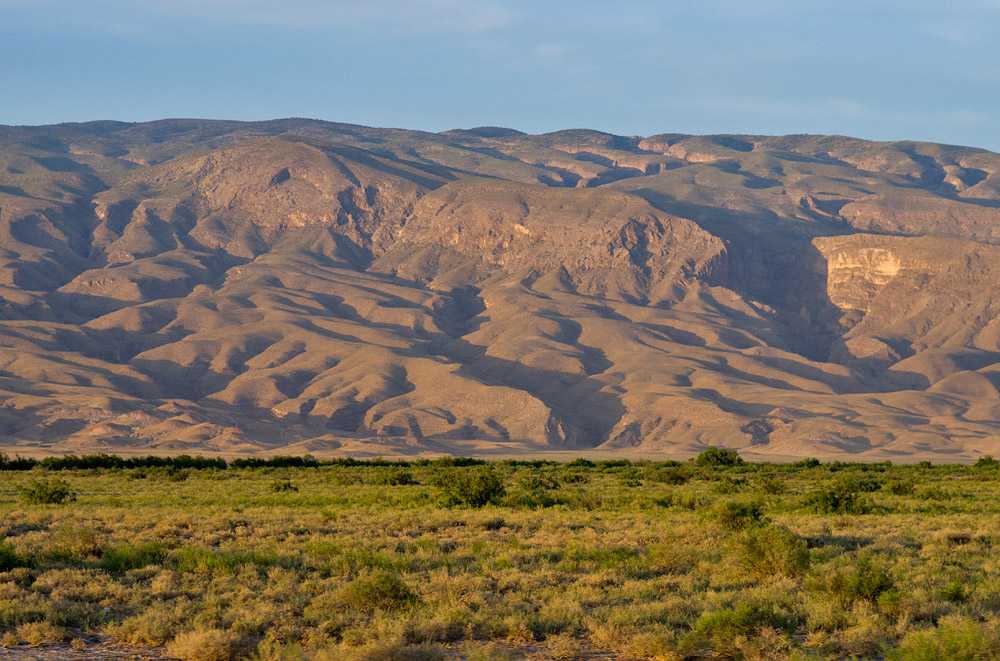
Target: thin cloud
{"type": "Point", "coordinates": [459, 16]}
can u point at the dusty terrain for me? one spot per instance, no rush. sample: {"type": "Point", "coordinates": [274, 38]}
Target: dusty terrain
{"type": "Point", "coordinates": [296, 285]}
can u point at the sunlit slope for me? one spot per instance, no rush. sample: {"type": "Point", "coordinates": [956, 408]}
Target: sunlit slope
{"type": "Point", "coordinates": [295, 285]}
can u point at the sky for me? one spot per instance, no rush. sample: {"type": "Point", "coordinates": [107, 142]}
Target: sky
{"type": "Point", "coordinates": [877, 69]}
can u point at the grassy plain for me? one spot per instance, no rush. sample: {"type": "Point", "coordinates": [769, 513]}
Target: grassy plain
{"type": "Point", "coordinates": [435, 560]}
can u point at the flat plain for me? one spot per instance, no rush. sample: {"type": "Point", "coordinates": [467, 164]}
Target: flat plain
{"type": "Point", "coordinates": [451, 558]}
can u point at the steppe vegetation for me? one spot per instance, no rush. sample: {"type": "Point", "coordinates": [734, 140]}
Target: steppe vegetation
{"type": "Point", "coordinates": [456, 558]}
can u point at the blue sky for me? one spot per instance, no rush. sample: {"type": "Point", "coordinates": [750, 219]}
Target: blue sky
{"type": "Point", "coordinates": [881, 69]}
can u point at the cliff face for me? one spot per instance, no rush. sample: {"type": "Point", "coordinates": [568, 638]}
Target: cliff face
{"type": "Point", "coordinates": [298, 285]}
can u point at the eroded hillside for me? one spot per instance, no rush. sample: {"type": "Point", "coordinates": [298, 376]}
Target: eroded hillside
{"type": "Point", "coordinates": [297, 285]}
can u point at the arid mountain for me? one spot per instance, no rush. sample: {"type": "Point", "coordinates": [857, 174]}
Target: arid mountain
{"type": "Point", "coordinates": [296, 285]}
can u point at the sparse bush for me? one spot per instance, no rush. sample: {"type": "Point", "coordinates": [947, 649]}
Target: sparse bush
{"type": "Point", "coordinates": [954, 638]}
{"type": "Point", "coordinates": [580, 462]}
{"type": "Point", "coordinates": [39, 633]}
{"type": "Point", "coordinates": [843, 496]}
{"type": "Point", "coordinates": [532, 490]}
{"type": "Point", "coordinates": [132, 556]}
{"type": "Point", "coordinates": [899, 487]}
{"type": "Point", "coordinates": [739, 514]}
{"type": "Point", "coordinates": [396, 477]}
{"type": "Point", "coordinates": [772, 551]}
{"type": "Point", "coordinates": [772, 486]}
{"type": "Point", "coordinates": [722, 631]}
{"type": "Point", "coordinates": [472, 487]}
{"type": "Point", "coordinates": [204, 645]}
{"type": "Point", "coordinates": [715, 457]}
{"type": "Point", "coordinates": [401, 652]}
{"type": "Point", "coordinates": [954, 591]}
{"type": "Point", "coordinates": [986, 461]}
{"type": "Point", "coordinates": [674, 475]}
{"type": "Point", "coordinates": [175, 474]}
{"type": "Point", "coordinates": [810, 462]}
{"type": "Point", "coordinates": [9, 558]}
{"type": "Point", "coordinates": [199, 559]}
{"type": "Point", "coordinates": [47, 492]}
{"type": "Point", "coordinates": [864, 580]}
{"type": "Point", "coordinates": [729, 485]}
{"type": "Point", "coordinates": [283, 485]}
{"type": "Point", "coordinates": [683, 499]}
{"type": "Point", "coordinates": [380, 591]}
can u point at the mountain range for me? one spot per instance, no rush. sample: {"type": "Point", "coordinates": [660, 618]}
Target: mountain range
{"type": "Point", "coordinates": [296, 286]}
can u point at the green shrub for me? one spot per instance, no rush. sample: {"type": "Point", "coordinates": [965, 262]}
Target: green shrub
{"type": "Point", "coordinates": [810, 462]}
{"type": "Point", "coordinates": [772, 551]}
{"type": "Point", "coordinates": [729, 485]}
{"type": "Point", "coordinates": [954, 591]}
{"type": "Point", "coordinates": [9, 559]}
{"type": "Point", "coordinates": [954, 638]}
{"type": "Point", "coordinates": [396, 477]}
{"type": "Point", "coordinates": [842, 496]}
{"type": "Point", "coordinates": [380, 591]}
{"type": "Point", "coordinates": [722, 630]}
{"type": "Point", "coordinates": [674, 475]}
{"type": "Point", "coordinates": [472, 487]}
{"type": "Point", "coordinates": [899, 487]}
{"type": "Point", "coordinates": [865, 579]}
{"type": "Point", "coordinates": [719, 457]}
{"type": "Point", "coordinates": [986, 461]}
{"type": "Point", "coordinates": [132, 556]}
{"type": "Point", "coordinates": [688, 500]}
{"type": "Point", "coordinates": [283, 486]}
{"type": "Point", "coordinates": [532, 490]}
{"type": "Point", "coordinates": [739, 514]}
{"type": "Point", "coordinates": [772, 486]}
{"type": "Point", "coordinates": [47, 492]}
{"type": "Point", "coordinates": [206, 560]}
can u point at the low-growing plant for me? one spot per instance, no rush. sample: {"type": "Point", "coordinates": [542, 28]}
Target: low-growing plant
{"type": "Point", "coordinates": [771, 486]}
{"type": "Point", "coordinates": [471, 487]}
{"type": "Point", "coordinates": [683, 499]}
{"type": "Point", "coordinates": [532, 490]}
{"type": "Point", "coordinates": [56, 491]}
{"type": "Point", "coordinates": [772, 550]}
{"type": "Point", "coordinates": [9, 558]}
{"type": "Point", "coordinates": [987, 461]}
{"type": "Point", "coordinates": [132, 556]}
{"type": "Point", "coordinates": [953, 638]}
{"type": "Point", "coordinates": [39, 633]}
{"type": "Point", "coordinates": [206, 560]}
{"type": "Point", "coordinates": [842, 496]}
{"type": "Point", "coordinates": [739, 514]}
{"type": "Point", "coordinates": [204, 645]}
{"type": "Point", "coordinates": [729, 485]}
{"type": "Point", "coordinates": [283, 485]}
{"type": "Point", "coordinates": [396, 477]}
{"type": "Point", "coordinates": [864, 579]}
{"type": "Point", "coordinates": [954, 591]}
{"type": "Point", "coordinates": [715, 457]}
{"type": "Point", "coordinates": [379, 591]}
{"type": "Point", "coordinates": [719, 632]}
{"type": "Point", "coordinates": [674, 475]}
{"type": "Point", "coordinates": [900, 487]}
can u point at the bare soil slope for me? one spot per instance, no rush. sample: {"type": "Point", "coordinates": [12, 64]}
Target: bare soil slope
{"type": "Point", "coordinates": [297, 285]}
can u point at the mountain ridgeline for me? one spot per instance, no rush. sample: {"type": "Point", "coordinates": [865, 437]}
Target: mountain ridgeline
{"type": "Point", "coordinates": [303, 286]}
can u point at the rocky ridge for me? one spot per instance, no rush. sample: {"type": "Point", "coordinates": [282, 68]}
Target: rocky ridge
{"type": "Point", "coordinates": [296, 285]}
